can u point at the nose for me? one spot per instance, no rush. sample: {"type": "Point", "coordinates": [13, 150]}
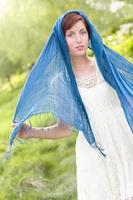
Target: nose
{"type": "Point", "coordinates": [78, 39]}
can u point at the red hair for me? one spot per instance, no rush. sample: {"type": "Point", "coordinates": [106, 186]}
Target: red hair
{"type": "Point", "coordinates": [70, 19]}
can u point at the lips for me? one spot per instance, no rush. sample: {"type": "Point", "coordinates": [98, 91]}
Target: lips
{"type": "Point", "coordinates": [81, 46]}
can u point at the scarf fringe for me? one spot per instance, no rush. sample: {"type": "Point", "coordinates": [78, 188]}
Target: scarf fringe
{"type": "Point", "coordinates": [98, 147]}
{"type": "Point", "coordinates": [7, 155]}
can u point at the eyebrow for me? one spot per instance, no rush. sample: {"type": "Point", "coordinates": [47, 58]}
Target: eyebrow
{"type": "Point", "coordinates": [69, 31]}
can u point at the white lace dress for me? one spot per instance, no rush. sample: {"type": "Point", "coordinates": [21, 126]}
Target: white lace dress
{"type": "Point", "coordinates": [99, 178]}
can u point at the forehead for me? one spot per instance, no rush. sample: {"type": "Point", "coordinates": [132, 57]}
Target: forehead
{"type": "Point", "coordinates": [77, 26]}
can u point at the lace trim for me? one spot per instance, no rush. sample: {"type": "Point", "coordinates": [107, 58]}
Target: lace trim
{"type": "Point", "coordinates": [91, 80]}
{"type": "Point", "coordinates": [87, 82]}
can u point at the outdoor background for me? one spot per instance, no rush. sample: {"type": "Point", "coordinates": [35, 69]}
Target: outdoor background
{"type": "Point", "coordinates": [46, 169]}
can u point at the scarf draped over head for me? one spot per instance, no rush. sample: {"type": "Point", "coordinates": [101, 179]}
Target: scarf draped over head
{"type": "Point", "coordinates": [51, 84]}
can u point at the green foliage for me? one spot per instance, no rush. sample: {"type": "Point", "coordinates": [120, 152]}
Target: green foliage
{"type": "Point", "coordinates": [6, 67]}
{"type": "Point", "coordinates": [123, 44]}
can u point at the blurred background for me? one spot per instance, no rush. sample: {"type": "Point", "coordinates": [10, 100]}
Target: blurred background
{"type": "Point", "coordinates": [46, 169]}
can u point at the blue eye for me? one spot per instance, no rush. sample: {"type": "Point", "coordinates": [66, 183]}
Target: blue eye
{"type": "Point", "coordinates": [70, 35]}
{"type": "Point", "coordinates": [83, 32]}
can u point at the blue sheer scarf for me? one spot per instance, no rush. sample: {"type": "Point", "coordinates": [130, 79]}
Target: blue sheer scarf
{"type": "Point", "coordinates": [51, 85]}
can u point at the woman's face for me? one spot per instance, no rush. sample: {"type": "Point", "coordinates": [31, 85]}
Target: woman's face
{"type": "Point", "coordinates": [77, 39]}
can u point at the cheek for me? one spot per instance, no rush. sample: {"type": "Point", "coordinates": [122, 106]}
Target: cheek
{"type": "Point", "coordinates": [86, 41]}
{"type": "Point", "coordinates": [70, 44]}
{"type": "Point", "coordinates": [87, 38]}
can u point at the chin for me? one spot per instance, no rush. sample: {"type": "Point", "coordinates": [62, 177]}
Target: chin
{"type": "Point", "coordinates": [80, 53]}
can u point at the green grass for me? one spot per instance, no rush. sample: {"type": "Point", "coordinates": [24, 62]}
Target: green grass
{"type": "Point", "coordinates": [38, 169]}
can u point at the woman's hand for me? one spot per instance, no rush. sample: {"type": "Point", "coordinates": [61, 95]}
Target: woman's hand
{"type": "Point", "coordinates": [24, 132]}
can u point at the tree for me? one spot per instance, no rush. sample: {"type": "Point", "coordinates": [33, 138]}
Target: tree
{"type": "Point", "coordinates": [6, 67]}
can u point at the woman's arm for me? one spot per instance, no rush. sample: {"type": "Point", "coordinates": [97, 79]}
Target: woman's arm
{"type": "Point", "coordinates": [59, 130]}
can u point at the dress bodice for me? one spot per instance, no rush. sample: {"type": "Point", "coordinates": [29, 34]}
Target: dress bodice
{"type": "Point", "coordinates": [96, 93]}
{"type": "Point", "coordinates": [90, 80]}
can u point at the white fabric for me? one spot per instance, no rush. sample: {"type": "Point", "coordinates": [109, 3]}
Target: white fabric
{"type": "Point", "coordinates": [99, 178]}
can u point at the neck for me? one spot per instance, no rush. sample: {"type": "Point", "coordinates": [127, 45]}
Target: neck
{"type": "Point", "coordinates": [78, 62]}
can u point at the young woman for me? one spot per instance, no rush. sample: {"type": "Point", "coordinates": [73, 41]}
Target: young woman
{"type": "Point", "coordinates": [97, 178]}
